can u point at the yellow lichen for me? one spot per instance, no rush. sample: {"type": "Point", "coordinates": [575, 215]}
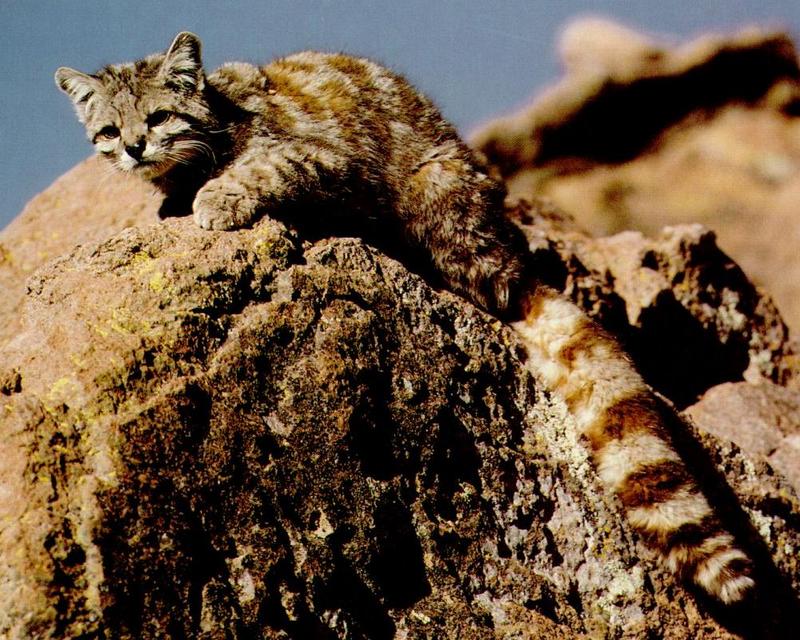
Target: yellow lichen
{"type": "Point", "coordinates": [6, 256]}
{"type": "Point", "coordinates": [142, 261]}
{"type": "Point", "coordinates": [157, 282]}
{"type": "Point", "coordinates": [99, 330]}
{"type": "Point", "coordinates": [62, 389]}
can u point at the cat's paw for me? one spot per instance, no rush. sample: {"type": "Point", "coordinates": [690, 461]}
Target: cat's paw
{"type": "Point", "coordinates": [224, 205]}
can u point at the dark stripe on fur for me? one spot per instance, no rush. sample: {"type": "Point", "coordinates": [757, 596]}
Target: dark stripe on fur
{"type": "Point", "coordinates": [637, 414]}
{"type": "Point", "coordinates": [654, 483]}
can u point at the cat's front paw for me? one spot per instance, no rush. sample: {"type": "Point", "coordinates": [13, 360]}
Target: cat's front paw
{"type": "Point", "coordinates": [224, 205]}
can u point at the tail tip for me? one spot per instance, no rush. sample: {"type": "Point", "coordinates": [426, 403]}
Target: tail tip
{"type": "Point", "coordinates": [736, 589]}
{"type": "Point", "coordinates": [727, 576]}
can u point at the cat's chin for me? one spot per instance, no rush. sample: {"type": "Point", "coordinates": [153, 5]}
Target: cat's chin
{"type": "Point", "coordinates": [148, 170]}
{"type": "Point", "coordinates": [151, 170]}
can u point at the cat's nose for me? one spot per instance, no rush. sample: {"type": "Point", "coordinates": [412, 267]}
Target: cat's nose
{"type": "Point", "coordinates": [135, 151]}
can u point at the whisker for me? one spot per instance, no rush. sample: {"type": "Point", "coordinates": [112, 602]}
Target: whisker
{"type": "Point", "coordinates": [107, 171]}
{"type": "Point", "coordinates": [194, 148]}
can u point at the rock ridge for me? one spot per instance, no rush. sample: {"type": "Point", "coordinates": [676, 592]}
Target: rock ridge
{"type": "Point", "coordinates": [211, 434]}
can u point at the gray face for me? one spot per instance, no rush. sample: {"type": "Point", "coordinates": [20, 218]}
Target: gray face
{"type": "Point", "coordinates": [147, 116]}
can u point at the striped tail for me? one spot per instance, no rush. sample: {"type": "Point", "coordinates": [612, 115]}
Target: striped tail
{"type": "Point", "coordinates": [622, 423]}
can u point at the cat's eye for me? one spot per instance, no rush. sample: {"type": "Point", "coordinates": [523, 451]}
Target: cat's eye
{"type": "Point", "coordinates": [107, 133]}
{"type": "Point", "coordinates": [158, 117]}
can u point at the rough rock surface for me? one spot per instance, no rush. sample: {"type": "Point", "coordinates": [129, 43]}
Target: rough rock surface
{"type": "Point", "coordinates": [761, 419]}
{"type": "Point", "coordinates": [639, 135]}
{"type": "Point", "coordinates": [238, 435]}
{"type": "Point", "coordinates": [87, 204]}
{"type": "Point", "coordinates": [684, 310]}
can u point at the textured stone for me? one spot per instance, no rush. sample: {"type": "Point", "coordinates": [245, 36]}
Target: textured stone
{"type": "Point", "coordinates": [239, 435]}
{"type": "Point", "coordinates": [87, 204]}
{"type": "Point", "coordinates": [684, 310]}
{"type": "Point", "coordinates": [639, 134]}
{"type": "Point", "coordinates": [761, 419]}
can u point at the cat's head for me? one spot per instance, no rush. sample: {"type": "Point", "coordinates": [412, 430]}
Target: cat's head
{"type": "Point", "coordinates": [146, 116]}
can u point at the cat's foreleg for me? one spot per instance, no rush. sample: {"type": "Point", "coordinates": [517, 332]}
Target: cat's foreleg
{"type": "Point", "coordinates": [263, 177]}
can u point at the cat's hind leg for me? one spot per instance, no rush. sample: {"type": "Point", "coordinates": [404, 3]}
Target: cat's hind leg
{"type": "Point", "coordinates": [454, 210]}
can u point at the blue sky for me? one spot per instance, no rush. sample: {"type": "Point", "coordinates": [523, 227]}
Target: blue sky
{"type": "Point", "coordinates": [475, 58]}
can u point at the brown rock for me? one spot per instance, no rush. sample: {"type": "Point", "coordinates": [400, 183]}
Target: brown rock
{"type": "Point", "coordinates": [240, 435]}
{"type": "Point", "coordinates": [761, 419]}
{"type": "Point", "coordinates": [88, 204]}
{"type": "Point", "coordinates": [639, 135]}
{"type": "Point", "coordinates": [684, 310]}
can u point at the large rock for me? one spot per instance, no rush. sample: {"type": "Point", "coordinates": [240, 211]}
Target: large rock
{"type": "Point", "coordinates": [684, 310]}
{"type": "Point", "coordinates": [638, 135]}
{"type": "Point", "coordinates": [762, 419]}
{"type": "Point", "coordinates": [87, 204]}
{"type": "Point", "coordinates": [238, 435]}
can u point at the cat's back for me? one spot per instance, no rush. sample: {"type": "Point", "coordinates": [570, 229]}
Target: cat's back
{"type": "Point", "coordinates": [310, 89]}
{"type": "Point", "coordinates": [339, 81]}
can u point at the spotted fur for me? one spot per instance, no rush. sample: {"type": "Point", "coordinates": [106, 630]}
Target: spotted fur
{"type": "Point", "coordinates": [247, 141]}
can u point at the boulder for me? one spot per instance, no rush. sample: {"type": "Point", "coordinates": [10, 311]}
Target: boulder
{"type": "Point", "coordinates": [640, 134]}
{"type": "Point", "coordinates": [249, 434]}
{"type": "Point", "coordinates": [87, 204]}
{"type": "Point", "coordinates": [684, 310]}
{"type": "Point", "coordinates": [762, 419]}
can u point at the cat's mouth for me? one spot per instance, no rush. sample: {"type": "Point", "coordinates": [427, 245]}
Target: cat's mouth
{"type": "Point", "coordinates": [152, 168]}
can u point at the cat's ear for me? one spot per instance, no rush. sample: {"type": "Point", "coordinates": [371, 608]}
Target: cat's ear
{"type": "Point", "coordinates": [182, 67]}
{"type": "Point", "coordinates": [78, 86]}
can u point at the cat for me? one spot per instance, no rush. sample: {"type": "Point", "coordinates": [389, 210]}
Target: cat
{"type": "Point", "coordinates": [246, 141]}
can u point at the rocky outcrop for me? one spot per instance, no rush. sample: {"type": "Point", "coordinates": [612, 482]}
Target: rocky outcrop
{"type": "Point", "coordinates": [239, 435]}
{"type": "Point", "coordinates": [684, 310]}
{"type": "Point", "coordinates": [639, 134]}
{"type": "Point", "coordinates": [87, 204]}
{"type": "Point", "coordinates": [762, 419]}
